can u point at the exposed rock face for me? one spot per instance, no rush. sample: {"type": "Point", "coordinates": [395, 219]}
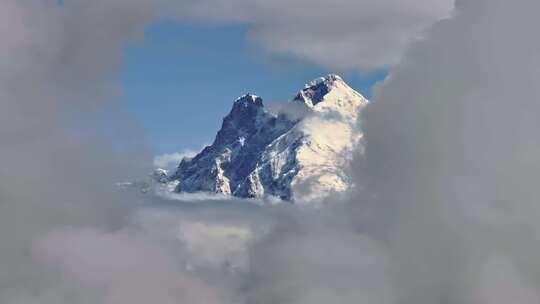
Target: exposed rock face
{"type": "Point", "coordinates": [257, 153]}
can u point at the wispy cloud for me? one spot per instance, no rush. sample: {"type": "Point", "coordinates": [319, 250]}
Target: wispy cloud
{"type": "Point", "coordinates": [171, 161]}
{"type": "Point", "coordinates": [343, 34]}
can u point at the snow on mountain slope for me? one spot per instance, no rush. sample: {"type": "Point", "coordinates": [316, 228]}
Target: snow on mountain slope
{"type": "Point", "coordinates": [257, 153]}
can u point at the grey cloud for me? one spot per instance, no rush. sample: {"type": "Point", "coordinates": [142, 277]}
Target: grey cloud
{"type": "Point", "coordinates": [130, 268]}
{"type": "Point", "coordinates": [343, 35]}
{"type": "Point", "coordinates": [453, 153]}
{"type": "Point", "coordinates": [449, 215]}
{"type": "Point", "coordinates": [58, 164]}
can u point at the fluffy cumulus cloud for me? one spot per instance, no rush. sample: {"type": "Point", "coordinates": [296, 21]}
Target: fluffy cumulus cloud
{"type": "Point", "coordinates": [58, 163]}
{"type": "Point", "coordinates": [341, 34]}
{"type": "Point", "coordinates": [452, 147]}
{"type": "Point", "coordinates": [449, 214]}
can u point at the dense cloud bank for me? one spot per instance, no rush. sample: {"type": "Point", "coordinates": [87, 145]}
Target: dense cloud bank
{"type": "Point", "coordinates": [454, 155]}
{"type": "Point", "coordinates": [448, 210]}
{"type": "Point", "coordinates": [55, 74]}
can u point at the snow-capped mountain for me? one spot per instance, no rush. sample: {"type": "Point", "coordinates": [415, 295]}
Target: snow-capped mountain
{"type": "Point", "coordinates": [295, 153]}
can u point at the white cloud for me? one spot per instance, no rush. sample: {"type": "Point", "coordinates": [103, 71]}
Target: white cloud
{"type": "Point", "coordinates": [339, 34]}
{"type": "Point", "coordinates": [166, 193]}
{"type": "Point", "coordinates": [452, 144]}
{"type": "Point", "coordinates": [128, 267]}
{"type": "Point", "coordinates": [172, 160]}
{"type": "Point", "coordinates": [210, 244]}
{"type": "Point", "coordinates": [454, 151]}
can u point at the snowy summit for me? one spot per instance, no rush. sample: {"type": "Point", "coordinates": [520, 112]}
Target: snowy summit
{"type": "Point", "coordinates": [257, 153]}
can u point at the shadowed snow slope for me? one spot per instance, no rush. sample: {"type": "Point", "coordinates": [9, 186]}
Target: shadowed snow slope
{"type": "Point", "coordinates": [257, 153]}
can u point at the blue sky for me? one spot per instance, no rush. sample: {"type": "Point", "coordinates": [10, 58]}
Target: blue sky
{"type": "Point", "coordinates": [182, 79]}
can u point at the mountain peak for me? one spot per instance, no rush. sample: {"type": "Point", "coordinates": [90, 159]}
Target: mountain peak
{"type": "Point", "coordinates": [315, 91]}
{"type": "Point", "coordinates": [247, 105]}
{"type": "Point", "coordinates": [258, 154]}
{"type": "Point", "coordinates": [248, 99]}
{"type": "Point", "coordinates": [327, 80]}
{"type": "Point", "coordinates": [243, 119]}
